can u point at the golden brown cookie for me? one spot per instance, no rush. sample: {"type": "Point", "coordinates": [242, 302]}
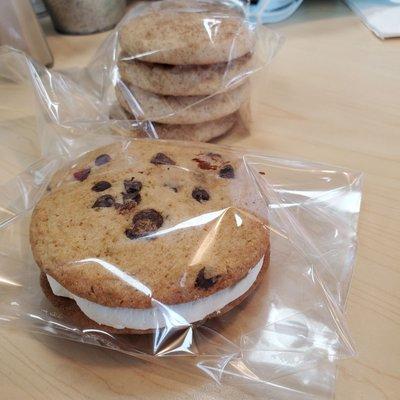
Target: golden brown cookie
{"type": "Point", "coordinates": [180, 109]}
{"type": "Point", "coordinates": [202, 132]}
{"type": "Point", "coordinates": [185, 80]}
{"type": "Point", "coordinates": [180, 36]}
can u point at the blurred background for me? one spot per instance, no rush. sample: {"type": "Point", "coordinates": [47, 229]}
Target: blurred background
{"type": "Point", "coordinates": [27, 24]}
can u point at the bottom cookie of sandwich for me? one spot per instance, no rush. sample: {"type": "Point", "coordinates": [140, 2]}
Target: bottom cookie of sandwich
{"type": "Point", "coordinates": [71, 311]}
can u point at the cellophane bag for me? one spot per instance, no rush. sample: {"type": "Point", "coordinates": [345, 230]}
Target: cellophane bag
{"type": "Point", "coordinates": [208, 259]}
{"type": "Point", "coordinates": [181, 69]}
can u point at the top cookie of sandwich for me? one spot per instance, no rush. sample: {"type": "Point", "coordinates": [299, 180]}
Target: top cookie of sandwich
{"type": "Point", "coordinates": [144, 219]}
{"type": "Point", "coordinates": [182, 37]}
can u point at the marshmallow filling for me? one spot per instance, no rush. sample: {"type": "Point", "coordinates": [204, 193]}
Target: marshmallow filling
{"type": "Point", "coordinates": [160, 315]}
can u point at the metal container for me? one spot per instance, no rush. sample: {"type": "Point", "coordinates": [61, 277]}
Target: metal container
{"type": "Point", "coordinates": [85, 16]}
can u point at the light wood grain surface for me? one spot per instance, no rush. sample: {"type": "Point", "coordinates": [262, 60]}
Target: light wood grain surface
{"type": "Point", "coordinates": [332, 95]}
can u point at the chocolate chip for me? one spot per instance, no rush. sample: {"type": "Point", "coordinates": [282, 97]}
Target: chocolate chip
{"type": "Point", "coordinates": [204, 283]}
{"type": "Point", "coordinates": [48, 188]}
{"type": "Point", "coordinates": [261, 173]}
{"type": "Point", "coordinates": [227, 172]}
{"type": "Point", "coordinates": [100, 186]}
{"type": "Point", "coordinates": [144, 222]}
{"type": "Point", "coordinates": [131, 234]}
{"type": "Point", "coordinates": [104, 201]}
{"type": "Point", "coordinates": [204, 164]}
{"type": "Point", "coordinates": [132, 186]}
{"type": "Point", "coordinates": [208, 161]}
{"type": "Point", "coordinates": [200, 194]}
{"type": "Point", "coordinates": [102, 159]}
{"type": "Point", "coordinates": [82, 174]}
{"type": "Point", "coordinates": [131, 197]}
{"type": "Point", "coordinates": [149, 214]}
{"type": "Point", "coordinates": [161, 158]}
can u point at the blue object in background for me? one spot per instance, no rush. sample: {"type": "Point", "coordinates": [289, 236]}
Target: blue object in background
{"type": "Point", "coordinates": [270, 11]}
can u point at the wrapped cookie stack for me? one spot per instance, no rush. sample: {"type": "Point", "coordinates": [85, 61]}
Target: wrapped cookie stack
{"type": "Point", "coordinates": [183, 66]}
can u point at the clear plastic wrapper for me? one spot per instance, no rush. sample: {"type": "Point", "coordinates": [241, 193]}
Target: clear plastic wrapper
{"type": "Point", "coordinates": [238, 269]}
{"type": "Point", "coordinates": [282, 340]}
{"type": "Point", "coordinates": [289, 324]}
{"type": "Point", "coordinates": [181, 69]}
{"type": "Point", "coordinates": [181, 100]}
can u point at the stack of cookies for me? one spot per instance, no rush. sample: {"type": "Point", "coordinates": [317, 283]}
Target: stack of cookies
{"type": "Point", "coordinates": [185, 68]}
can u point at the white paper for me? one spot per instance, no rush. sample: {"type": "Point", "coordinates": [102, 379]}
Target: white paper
{"type": "Point", "coordinates": [381, 16]}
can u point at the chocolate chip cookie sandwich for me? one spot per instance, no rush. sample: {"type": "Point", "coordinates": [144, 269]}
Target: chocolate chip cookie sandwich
{"type": "Point", "coordinates": [144, 234]}
{"type": "Point", "coordinates": [185, 63]}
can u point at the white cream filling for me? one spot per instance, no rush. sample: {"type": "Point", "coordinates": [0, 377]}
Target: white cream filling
{"type": "Point", "coordinates": [160, 315]}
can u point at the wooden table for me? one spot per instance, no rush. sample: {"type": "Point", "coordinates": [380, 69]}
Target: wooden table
{"type": "Point", "coordinates": [332, 95]}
